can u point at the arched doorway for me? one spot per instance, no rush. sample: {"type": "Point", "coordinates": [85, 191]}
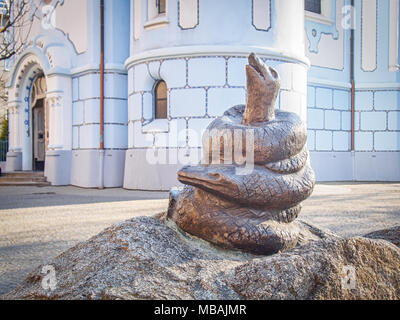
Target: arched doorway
{"type": "Point", "coordinates": [39, 122]}
{"type": "Point", "coordinates": [53, 56]}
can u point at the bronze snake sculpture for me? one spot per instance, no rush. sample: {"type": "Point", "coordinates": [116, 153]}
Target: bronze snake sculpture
{"type": "Point", "coordinates": [251, 212]}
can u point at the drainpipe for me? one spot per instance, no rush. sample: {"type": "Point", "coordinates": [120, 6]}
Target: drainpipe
{"type": "Point", "coordinates": [101, 153]}
{"type": "Point", "coordinates": [352, 74]}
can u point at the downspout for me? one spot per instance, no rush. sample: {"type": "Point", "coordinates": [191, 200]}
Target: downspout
{"type": "Point", "coordinates": [101, 153]}
{"type": "Point", "coordinates": [352, 74]}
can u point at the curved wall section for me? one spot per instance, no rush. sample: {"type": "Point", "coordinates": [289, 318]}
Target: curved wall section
{"type": "Point", "coordinates": [204, 69]}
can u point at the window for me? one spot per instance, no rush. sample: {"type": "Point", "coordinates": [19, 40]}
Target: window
{"type": "Point", "coordinates": [161, 6]}
{"type": "Point", "coordinates": [321, 11]}
{"type": "Point", "coordinates": [157, 14]}
{"type": "Point", "coordinates": [160, 107]}
{"type": "Point", "coordinates": [313, 6]}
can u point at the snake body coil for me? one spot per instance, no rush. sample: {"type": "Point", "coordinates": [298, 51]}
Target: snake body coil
{"type": "Point", "coordinates": [253, 211]}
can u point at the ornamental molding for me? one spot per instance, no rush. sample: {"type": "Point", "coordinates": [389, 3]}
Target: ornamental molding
{"type": "Point", "coordinates": [316, 27]}
{"type": "Point", "coordinates": [54, 101]}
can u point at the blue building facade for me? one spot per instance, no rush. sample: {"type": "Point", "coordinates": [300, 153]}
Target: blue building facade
{"type": "Point", "coordinates": [338, 62]}
{"type": "Point", "coordinates": [375, 151]}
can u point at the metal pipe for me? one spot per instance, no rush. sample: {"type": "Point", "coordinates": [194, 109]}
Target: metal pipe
{"type": "Point", "coordinates": [101, 151]}
{"type": "Point", "coordinates": [352, 74]}
{"type": "Point", "coordinates": [101, 74]}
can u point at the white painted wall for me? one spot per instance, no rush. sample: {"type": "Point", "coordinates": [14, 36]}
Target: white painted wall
{"type": "Point", "coordinates": [71, 18]}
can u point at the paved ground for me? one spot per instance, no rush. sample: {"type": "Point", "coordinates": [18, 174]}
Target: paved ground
{"type": "Point", "coordinates": [37, 224]}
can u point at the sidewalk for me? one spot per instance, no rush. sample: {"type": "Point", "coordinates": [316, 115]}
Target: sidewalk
{"type": "Point", "coordinates": [38, 223]}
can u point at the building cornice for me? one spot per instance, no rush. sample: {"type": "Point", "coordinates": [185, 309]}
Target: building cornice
{"type": "Point", "coordinates": [198, 51]}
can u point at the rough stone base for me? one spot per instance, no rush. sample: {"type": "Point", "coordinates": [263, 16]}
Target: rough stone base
{"type": "Point", "coordinates": [392, 235]}
{"type": "Point", "coordinates": [148, 258]}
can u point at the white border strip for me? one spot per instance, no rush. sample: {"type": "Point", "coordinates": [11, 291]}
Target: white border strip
{"type": "Point", "coordinates": [368, 35]}
{"type": "Point", "coordinates": [196, 51]}
{"type": "Point", "coordinates": [328, 83]}
{"type": "Point", "coordinates": [394, 36]}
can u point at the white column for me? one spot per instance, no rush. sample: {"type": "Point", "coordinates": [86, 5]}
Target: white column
{"type": "Point", "coordinates": [55, 124]}
{"type": "Point", "coordinates": [59, 98]}
{"type": "Point", "coordinates": [289, 37]}
{"type": "Point", "coordinates": [289, 28]}
{"type": "Point", "coordinates": [11, 134]}
{"type": "Point", "coordinates": [14, 128]}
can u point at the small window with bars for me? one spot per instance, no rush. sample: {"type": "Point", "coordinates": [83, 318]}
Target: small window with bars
{"type": "Point", "coordinates": [313, 6]}
{"type": "Point", "coordinates": [160, 105]}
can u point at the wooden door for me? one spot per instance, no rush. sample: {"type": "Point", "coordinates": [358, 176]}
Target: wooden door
{"type": "Point", "coordinates": [38, 135]}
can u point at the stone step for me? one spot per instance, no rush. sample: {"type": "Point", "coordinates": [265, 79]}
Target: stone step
{"type": "Point", "coordinates": [24, 183]}
{"type": "Point", "coordinates": [23, 178]}
{"type": "Point", "coordinates": [23, 174]}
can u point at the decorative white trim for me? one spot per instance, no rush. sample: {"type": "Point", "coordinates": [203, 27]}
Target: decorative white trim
{"type": "Point", "coordinates": [31, 56]}
{"type": "Point", "coordinates": [394, 36]}
{"type": "Point", "coordinates": [378, 86]}
{"type": "Point", "coordinates": [137, 19]}
{"type": "Point", "coordinates": [360, 86]}
{"type": "Point", "coordinates": [196, 51]}
{"type": "Point", "coordinates": [318, 24]}
{"type": "Point", "coordinates": [58, 71]}
{"type": "Point", "coordinates": [319, 18]}
{"type": "Point", "coordinates": [328, 83]}
{"type": "Point", "coordinates": [55, 147]}
{"type": "Point", "coordinates": [368, 35]}
{"type": "Point", "coordinates": [262, 14]}
{"type": "Point", "coordinates": [156, 126]}
{"type": "Point", "coordinates": [154, 19]}
{"type": "Point", "coordinates": [324, 17]}
{"type": "Point", "coordinates": [13, 103]}
{"type": "Point", "coordinates": [92, 68]}
{"type": "Point", "coordinates": [188, 14]}
{"type": "Point", "coordinates": [156, 23]}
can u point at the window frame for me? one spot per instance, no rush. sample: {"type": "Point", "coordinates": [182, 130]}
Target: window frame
{"type": "Point", "coordinates": [324, 17]}
{"type": "Point", "coordinates": [320, 7]}
{"type": "Point", "coordinates": [158, 5]}
{"type": "Point", "coordinates": [157, 99]}
{"type": "Point", "coordinates": [155, 19]}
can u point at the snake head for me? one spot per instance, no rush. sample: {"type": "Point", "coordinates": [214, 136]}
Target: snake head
{"type": "Point", "coordinates": [263, 84]}
{"type": "Point", "coordinates": [214, 179]}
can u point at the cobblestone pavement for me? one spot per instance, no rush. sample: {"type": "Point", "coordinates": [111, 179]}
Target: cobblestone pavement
{"type": "Point", "coordinates": [38, 223]}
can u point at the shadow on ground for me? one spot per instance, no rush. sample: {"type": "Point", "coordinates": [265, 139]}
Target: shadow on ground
{"type": "Point", "coordinates": [31, 197]}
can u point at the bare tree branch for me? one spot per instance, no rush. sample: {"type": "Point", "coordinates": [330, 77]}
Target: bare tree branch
{"type": "Point", "coordinates": [16, 20]}
{"type": "Point", "coordinates": [16, 23]}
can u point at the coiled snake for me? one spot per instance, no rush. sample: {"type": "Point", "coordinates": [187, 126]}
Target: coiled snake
{"type": "Point", "coordinates": [254, 211]}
